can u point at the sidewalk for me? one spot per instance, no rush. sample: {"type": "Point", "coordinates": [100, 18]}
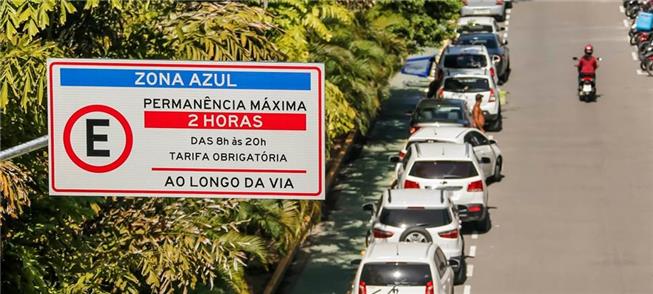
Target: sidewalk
{"type": "Point", "coordinates": [323, 264]}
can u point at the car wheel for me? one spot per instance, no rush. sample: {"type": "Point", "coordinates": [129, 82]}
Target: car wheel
{"type": "Point", "coordinates": [649, 67]}
{"type": "Point", "coordinates": [496, 177]}
{"type": "Point", "coordinates": [485, 224]}
{"type": "Point", "coordinates": [642, 65]}
{"type": "Point", "coordinates": [417, 235]}
{"type": "Point", "coordinates": [501, 18]}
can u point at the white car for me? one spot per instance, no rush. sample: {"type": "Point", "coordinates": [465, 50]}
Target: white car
{"type": "Point", "coordinates": [466, 87]}
{"type": "Point", "coordinates": [466, 59]}
{"type": "Point", "coordinates": [452, 167]}
{"type": "Point", "coordinates": [494, 8]}
{"type": "Point", "coordinates": [416, 215]}
{"type": "Point", "coordinates": [483, 146]}
{"type": "Point", "coordinates": [406, 268]}
{"type": "Point", "coordinates": [478, 24]}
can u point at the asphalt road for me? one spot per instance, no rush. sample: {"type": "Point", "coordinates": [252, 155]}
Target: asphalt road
{"type": "Point", "coordinates": [572, 214]}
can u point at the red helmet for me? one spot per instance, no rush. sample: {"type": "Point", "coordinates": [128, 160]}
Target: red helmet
{"type": "Point", "coordinates": [589, 49]}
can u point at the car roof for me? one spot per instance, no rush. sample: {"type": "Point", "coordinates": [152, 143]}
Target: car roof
{"type": "Point", "coordinates": [476, 19]}
{"type": "Point", "coordinates": [442, 151]}
{"type": "Point", "coordinates": [465, 49]}
{"type": "Point", "coordinates": [425, 102]}
{"type": "Point", "coordinates": [481, 74]}
{"type": "Point", "coordinates": [399, 252]}
{"type": "Point", "coordinates": [404, 198]}
{"type": "Point", "coordinates": [452, 134]}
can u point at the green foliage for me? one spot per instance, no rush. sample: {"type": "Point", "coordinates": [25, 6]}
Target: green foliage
{"type": "Point", "coordinates": [109, 245]}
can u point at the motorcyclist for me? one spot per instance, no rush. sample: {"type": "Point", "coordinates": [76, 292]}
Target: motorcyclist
{"type": "Point", "coordinates": [587, 65]}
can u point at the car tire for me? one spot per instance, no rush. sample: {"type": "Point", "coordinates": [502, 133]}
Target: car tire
{"type": "Point", "coordinates": [649, 67]}
{"type": "Point", "coordinates": [501, 18]}
{"type": "Point", "coordinates": [460, 276]}
{"type": "Point", "coordinates": [410, 234]}
{"type": "Point", "coordinates": [496, 177]}
{"type": "Point", "coordinates": [484, 225]}
{"type": "Point", "coordinates": [506, 74]}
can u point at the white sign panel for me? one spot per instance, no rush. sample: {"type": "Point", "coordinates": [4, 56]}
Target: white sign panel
{"type": "Point", "coordinates": [186, 129]}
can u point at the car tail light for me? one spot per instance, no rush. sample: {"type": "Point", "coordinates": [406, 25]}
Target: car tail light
{"type": "Point", "coordinates": [408, 184]}
{"type": "Point", "coordinates": [362, 288]}
{"type": "Point", "coordinates": [453, 234]}
{"type": "Point", "coordinates": [429, 288]}
{"type": "Point", "coordinates": [413, 129]}
{"type": "Point", "coordinates": [500, 2]}
{"type": "Point", "coordinates": [381, 234]}
{"type": "Point", "coordinates": [493, 98]}
{"type": "Point", "coordinates": [492, 72]}
{"type": "Point", "coordinates": [441, 92]}
{"type": "Point", "coordinates": [402, 153]}
{"type": "Point", "coordinates": [476, 186]}
{"type": "Point", "coordinates": [475, 208]}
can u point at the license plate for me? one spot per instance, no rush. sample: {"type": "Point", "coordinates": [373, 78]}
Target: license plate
{"type": "Point", "coordinates": [482, 11]}
{"type": "Point", "coordinates": [587, 88]}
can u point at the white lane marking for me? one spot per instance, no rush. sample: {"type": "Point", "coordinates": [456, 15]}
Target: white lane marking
{"type": "Point", "coordinates": [472, 251]}
{"type": "Point", "coordinates": [467, 289]}
{"type": "Point", "coordinates": [641, 73]}
{"type": "Point", "coordinates": [634, 56]}
{"type": "Point", "coordinates": [508, 16]}
{"type": "Point", "coordinates": [505, 36]}
{"type": "Point", "coordinates": [507, 23]}
{"type": "Point", "coordinates": [474, 235]}
{"type": "Point", "coordinates": [621, 9]}
{"type": "Point", "coordinates": [470, 270]}
{"type": "Point", "coordinates": [509, 10]}
{"type": "Point", "coordinates": [626, 24]}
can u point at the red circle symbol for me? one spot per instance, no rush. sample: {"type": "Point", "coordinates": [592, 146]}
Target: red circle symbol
{"type": "Point", "coordinates": [129, 138]}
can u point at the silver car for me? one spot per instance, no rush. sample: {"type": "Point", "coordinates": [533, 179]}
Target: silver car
{"type": "Point", "coordinates": [494, 8]}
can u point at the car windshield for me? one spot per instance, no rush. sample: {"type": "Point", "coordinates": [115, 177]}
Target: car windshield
{"type": "Point", "coordinates": [405, 218]}
{"type": "Point", "coordinates": [396, 273]}
{"type": "Point", "coordinates": [465, 61]}
{"type": "Point", "coordinates": [487, 41]}
{"type": "Point", "coordinates": [443, 169]}
{"type": "Point", "coordinates": [463, 85]}
{"type": "Point", "coordinates": [439, 113]}
{"type": "Point", "coordinates": [475, 28]}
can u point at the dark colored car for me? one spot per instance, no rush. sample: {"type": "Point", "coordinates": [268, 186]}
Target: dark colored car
{"type": "Point", "coordinates": [440, 112]}
{"type": "Point", "coordinates": [497, 48]}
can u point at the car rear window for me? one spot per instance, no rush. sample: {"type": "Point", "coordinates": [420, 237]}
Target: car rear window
{"type": "Point", "coordinates": [465, 61]}
{"type": "Point", "coordinates": [404, 218]}
{"type": "Point", "coordinates": [443, 169]}
{"type": "Point", "coordinates": [489, 42]}
{"type": "Point", "coordinates": [396, 273]}
{"type": "Point", "coordinates": [475, 29]}
{"type": "Point", "coordinates": [440, 113]}
{"type": "Point", "coordinates": [463, 85]}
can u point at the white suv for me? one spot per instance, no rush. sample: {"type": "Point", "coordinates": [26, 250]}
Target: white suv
{"type": "Point", "coordinates": [448, 166]}
{"type": "Point", "coordinates": [484, 146]}
{"type": "Point", "coordinates": [407, 268]}
{"type": "Point", "coordinates": [419, 216]}
{"type": "Point", "coordinates": [466, 59]}
{"type": "Point", "coordinates": [466, 87]}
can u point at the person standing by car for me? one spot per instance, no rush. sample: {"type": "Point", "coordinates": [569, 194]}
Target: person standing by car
{"type": "Point", "coordinates": [477, 114]}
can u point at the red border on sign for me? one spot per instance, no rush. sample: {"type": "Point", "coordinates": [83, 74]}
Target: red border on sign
{"type": "Point", "coordinates": [191, 65]}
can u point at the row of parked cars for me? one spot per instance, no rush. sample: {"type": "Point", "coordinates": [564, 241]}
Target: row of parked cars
{"type": "Point", "coordinates": [415, 244]}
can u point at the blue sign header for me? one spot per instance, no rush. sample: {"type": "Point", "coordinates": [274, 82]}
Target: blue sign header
{"type": "Point", "coordinates": [143, 78]}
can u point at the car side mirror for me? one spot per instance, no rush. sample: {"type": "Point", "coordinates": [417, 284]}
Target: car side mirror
{"type": "Point", "coordinates": [355, 262]}
{"type": "Point", "coordinates": [505, 42]}
{"type": "Point", "coordinates": [574, 58]}
{"type": "Point", "coordinates": [369, 207]}
{"type": "Point", "coordinates": [492, 142]}
{"type": "Point", "coordinates": [502, 29]}
{"type": "Point", "coordinates": [394, 159]}
{"type": "Point", "coordinates": [454, 264]}
{"type": "Point", "coordinates": [485, 160]}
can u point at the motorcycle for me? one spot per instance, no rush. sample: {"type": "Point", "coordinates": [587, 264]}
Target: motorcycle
{"type": "Point", "coordinates": [587, 86]}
